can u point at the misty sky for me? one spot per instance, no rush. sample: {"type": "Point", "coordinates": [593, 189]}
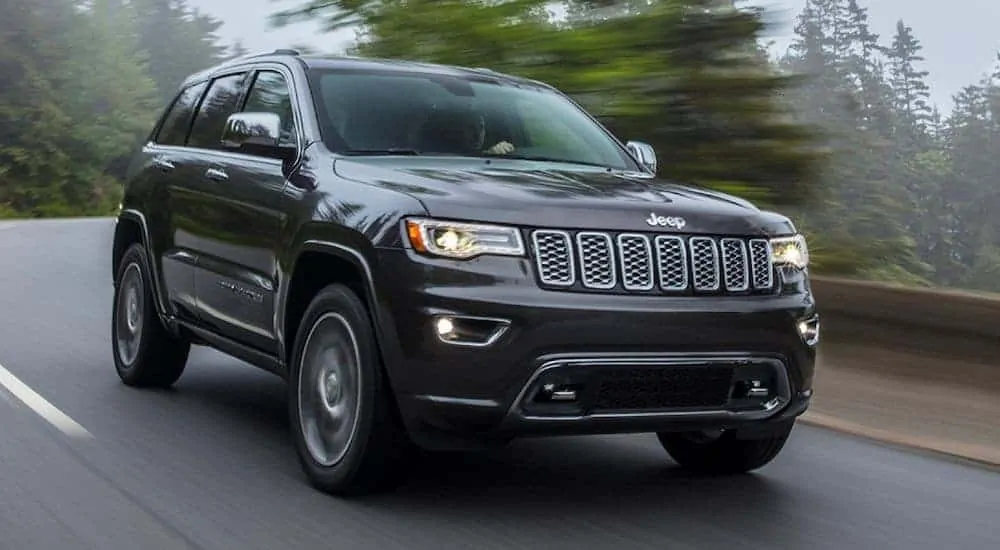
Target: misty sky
{"type": "Point", "coordinates": [959, 36]}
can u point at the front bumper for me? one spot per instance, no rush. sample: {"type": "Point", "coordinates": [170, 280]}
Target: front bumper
{"type": "Point", "coordinates": [490, 389]}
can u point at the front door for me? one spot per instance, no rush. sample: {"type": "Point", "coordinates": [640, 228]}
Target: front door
{"type": "Point", "coordinates": [237, 270]}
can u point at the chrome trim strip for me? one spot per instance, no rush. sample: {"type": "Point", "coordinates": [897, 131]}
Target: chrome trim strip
{"type": "Point", "coordinates": [784, 386]}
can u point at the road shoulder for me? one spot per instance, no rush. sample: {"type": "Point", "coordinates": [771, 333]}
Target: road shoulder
{"type": "Point", "coordinates": [881, 395]}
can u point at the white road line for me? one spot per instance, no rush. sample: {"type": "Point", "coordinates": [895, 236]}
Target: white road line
{"type": "Point", "coordinates": [60, 420]}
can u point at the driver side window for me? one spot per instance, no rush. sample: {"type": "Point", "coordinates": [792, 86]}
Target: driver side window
{"type": "Point", "coordinates": [269, 93]}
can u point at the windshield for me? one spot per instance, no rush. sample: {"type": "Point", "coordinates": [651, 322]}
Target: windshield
{"type": "Point", "coordinates": [368, 112]}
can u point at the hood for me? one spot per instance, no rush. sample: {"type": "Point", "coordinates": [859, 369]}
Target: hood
{"type": "Point", "coordinates": [537, 194]}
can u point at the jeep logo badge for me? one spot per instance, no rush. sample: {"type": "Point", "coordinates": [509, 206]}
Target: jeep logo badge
{"type": "Point", "coordinates": [665, 221]}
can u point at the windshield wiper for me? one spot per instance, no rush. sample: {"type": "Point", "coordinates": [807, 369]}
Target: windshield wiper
{"type": "Point", "coordinates": [551, 159]}
{"type": "Point", "coordinates": [391, 151]}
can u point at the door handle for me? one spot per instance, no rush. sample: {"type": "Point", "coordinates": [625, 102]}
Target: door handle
{"type": "Point", "coordinates": [215, 174]}
{"type": "Point", "coordinates": [163, 164]}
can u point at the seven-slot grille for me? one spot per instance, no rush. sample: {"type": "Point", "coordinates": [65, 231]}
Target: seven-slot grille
{"type": "Point", "coordinates": [638, 262]}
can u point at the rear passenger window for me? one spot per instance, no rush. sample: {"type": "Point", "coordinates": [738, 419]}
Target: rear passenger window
{"type": "Point", "coordinates": [221, 101]}
{"type": "Point", "coordinates": [174, 129]}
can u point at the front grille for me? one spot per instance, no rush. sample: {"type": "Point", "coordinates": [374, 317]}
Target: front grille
{"type": "Point", "coordinates": [643, 389]}
{"type": "Point", "coordinates": [641, 263]}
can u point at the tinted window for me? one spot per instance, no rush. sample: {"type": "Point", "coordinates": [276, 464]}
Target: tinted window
{"type": "Point", "coordinates": [452, 115]}
{"type": "Point", "coordinates": [175, 124]}
{"type": "Point", "coordinates": [270, 94]}
{"type": "Point", "coordinates": [221, 101]}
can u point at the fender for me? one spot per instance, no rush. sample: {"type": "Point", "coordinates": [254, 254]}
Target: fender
{"type": "Point", "coordinates": [381, 316]}
{"type": "Point", "coordinates": [159, 302]}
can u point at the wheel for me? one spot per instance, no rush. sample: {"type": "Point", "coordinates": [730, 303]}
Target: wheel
{"type": "Point", "coordinates": [724, 454]}
{"type": "Point", "coordinates": [347, 431]}
{"type": "Point", "coordinates": [146, 354]}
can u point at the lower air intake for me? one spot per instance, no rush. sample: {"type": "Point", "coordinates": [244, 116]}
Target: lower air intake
{"type": "Point", "coordinates": [701, 386]}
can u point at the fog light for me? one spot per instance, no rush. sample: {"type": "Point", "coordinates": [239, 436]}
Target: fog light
{"type": "Point", "coordinates": [445, 326]}
{"type": "Point", "coordinates": [465, 330]}
{"type": "Point", "coordinates": [809, 330]}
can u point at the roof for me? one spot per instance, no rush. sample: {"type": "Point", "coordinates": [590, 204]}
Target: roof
{"type": "Point", "coordinates": [344, 62]}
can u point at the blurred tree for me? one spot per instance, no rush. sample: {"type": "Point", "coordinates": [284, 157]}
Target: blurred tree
{"type": "Point", "coordinates": [237, 49]}
{"type": "Point", "coordinates": [109, 93]}
{"type": "Point", "coordinates": [861, 227]}
{"type": "Point", "coordinates": [178, 40]}
{"type": "Point", "coordinates": [75, 96]}
{"type": "Point", "coordinates": [32, 119]}
{"type": "Point", "coordinates": [686, 76]}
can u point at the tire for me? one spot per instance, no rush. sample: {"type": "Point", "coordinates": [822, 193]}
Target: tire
{"type": "Point", "coordinates": [365, 450]}
{"type": "Point", "coordinates": [724, 455]}
{"type": "Point", "coordinates": [145, 353]}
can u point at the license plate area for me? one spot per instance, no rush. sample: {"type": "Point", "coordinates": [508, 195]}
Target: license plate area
{"type": "Point", "coordinates": [705, 386]}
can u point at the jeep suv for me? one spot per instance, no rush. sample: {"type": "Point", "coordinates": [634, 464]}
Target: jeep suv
{"type": "Point", "coordinates": [442, 258]}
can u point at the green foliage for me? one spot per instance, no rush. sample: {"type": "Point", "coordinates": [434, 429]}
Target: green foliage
{"type": "Point", "coordinates": [177, 40]}
{"type": "Point", "coordinates": [685, 76]}
{"type": "Point", "coordinates": [76, 99]}
{"type": "Point", "coordinates": [80, 90]}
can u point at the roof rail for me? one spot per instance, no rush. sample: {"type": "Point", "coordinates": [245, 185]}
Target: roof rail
{"type": "Point", "coordinates": [279, 51]}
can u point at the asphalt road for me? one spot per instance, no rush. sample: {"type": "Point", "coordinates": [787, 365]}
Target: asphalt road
{"type": "Point", "coordinates": [210, 464]}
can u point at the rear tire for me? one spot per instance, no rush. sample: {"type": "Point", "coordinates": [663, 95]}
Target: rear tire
{"type": "Point", "coordinates": [347, 431]}
{"type": "Point", "coordinates": [145, 353]}
{"type": "Point", "coordinates": [724, 455]}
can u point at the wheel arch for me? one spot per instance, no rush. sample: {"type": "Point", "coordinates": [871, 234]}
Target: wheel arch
{"type": "Point", "coordinates": [131, 228]}
{"type": "Point", "coordinates": [319, 263]}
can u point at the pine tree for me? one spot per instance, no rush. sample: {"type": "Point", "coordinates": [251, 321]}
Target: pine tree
{"type": "Point", "coordinates": [857, 229]}
{"type": "Point", "coordinates": [912, 94]}
{"type": "Point", "coordinates": [177, 40]}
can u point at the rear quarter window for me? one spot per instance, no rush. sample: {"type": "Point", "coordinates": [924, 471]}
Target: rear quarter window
{"type": "Point", "coordinates": [175, 125]}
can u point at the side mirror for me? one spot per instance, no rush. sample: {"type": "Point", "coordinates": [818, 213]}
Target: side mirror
{"type": "Point", "coordinates": [644, 153]}
{"type": "Point", "coordinates": [257, 134]}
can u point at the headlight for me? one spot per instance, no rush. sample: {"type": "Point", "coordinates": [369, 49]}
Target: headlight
{"type": "Point", "coordinates": [463, 240]}
{"type": "Point", "coordinates": [790, 251]}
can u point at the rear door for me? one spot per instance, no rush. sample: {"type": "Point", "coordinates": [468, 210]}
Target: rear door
{"type": "Point", "coordinates": [166, 176]}
{"type": "Point", "coordinates": [237, 272]}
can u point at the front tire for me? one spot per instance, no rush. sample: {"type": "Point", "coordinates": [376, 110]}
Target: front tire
{"type": "Point", "coordinates": [346, 429]}
{"type": "Point", "coordinates": [145, 353]}
{"type": "Point", "coordinates": [725, 454]}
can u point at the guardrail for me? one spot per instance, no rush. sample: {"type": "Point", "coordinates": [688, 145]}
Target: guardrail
{"type": "Point", "coordinates": [933, 325]}
{"type": "Point", "coordinates": [913, 366]}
